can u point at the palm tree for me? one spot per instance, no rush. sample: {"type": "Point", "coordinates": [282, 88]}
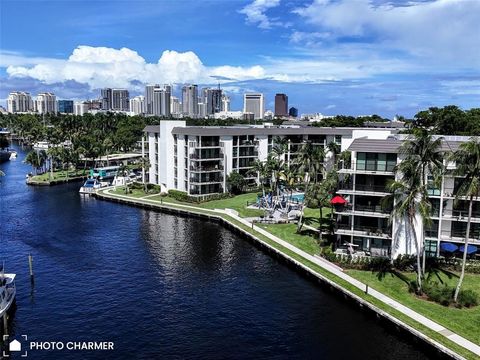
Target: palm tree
{"type": "Point", "coordinates": [467, 159]}
{"type": "Point", "coordinates": [409, 199]}
{"type": "Point", "coordinates": [124, 171]}
{"type": "Point", "coordinates": [334, 149]}
{"type": "Point", "coordinates": [422, 151]}
{"type": "Point", "coordinates": [260, 168]}
{"type": "Point", "coordinates": [309, 162]}
{"type": "Point", "coordinates": [144, 164]}
{"type": "Point", "coordinates": [36, 159]}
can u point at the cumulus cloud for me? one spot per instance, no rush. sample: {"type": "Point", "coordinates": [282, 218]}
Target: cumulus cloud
{"type": "Point", "coordinates": [101, 66]}
{"type": "Point", "coordinates": [256, 13]}
{"type": "Point", "coordinates": [441, 30]}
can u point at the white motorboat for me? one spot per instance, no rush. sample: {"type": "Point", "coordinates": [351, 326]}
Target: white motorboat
{"type": "Point", "coordinates": [7, 292]}
{"type": "Point", "coordinates": [91, 185]}
{"type": "Point", "coordinates": [13, 155]}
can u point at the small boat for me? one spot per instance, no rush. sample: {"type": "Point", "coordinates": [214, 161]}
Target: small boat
{"type": "Point", "coordinates": [13, 155]}
{"type": "Point", "coordinates": [91, 185]}
{"type": "Point", "coordinates": [7, 292]}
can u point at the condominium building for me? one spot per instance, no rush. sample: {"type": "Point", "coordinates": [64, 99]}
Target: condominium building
{"type": "Point", "coordinates": [364, 220]}
{"type": "Point", "coordinates": [115, 99]}
{"type": "Point", "coordinates": [190, 100]}
{"type": "Point", "coordinates": [137, 105]}
{"type": "Point", "coordinates": [80, 108]}
{"type": "Point", "coordinates": [46, 103]}
{"type": "Point", "coordinates": [198, 159]}
{"type": "Point", "coordinates": [225, 103]}
{"type": "Point", "coordinates": [254, 103]}
{"type": "Point", "coordinates": [175, 106]}
{"type": "Point", "coordinates": [212, 98]}
{"type": "Point", "coordinates": [281, 105]}
{"type": "Point", "coordinates": [19, 101]}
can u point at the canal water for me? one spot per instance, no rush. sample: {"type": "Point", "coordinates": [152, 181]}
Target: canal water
{"type": "Point", "coordinates": [167, 287]}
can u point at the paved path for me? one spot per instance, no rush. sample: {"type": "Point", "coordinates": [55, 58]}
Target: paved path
{"type": "Point", "coordinates": [324, 264]}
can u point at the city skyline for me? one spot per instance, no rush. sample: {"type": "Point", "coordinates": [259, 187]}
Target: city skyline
{"type": "Point", "coordinates": [353, 58]}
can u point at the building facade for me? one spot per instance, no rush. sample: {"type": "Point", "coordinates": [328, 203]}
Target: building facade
{"type": "Point", "coordinates": [204, 156]}
{"type": "Point", "coordinates": [254, 103]}
{"type": "Point", "coordinates": [364, 221]}
{"type": "Point", "coordinates": [19, 101]}
{"type": "Point", "coordinates": [65, 106]}
{"type": "Point", "coordinates": [190, 100]}
{"type": "Point", "coordinates": [115, 99]}
{"type": "Point", "coordinates": [137, 105]}
{"type": "Point", "coordinates": [281, 105]}
{"type": "Point", "coordinates": [46, 103]}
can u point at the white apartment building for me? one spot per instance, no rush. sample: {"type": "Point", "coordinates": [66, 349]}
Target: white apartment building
{"type": "Point", "coordinates": [364, 221]}
{"type": "Point", "coordinates": [80, 108]}
{"type": "Point", "coordinates": [254, 103]}
{"type": "Point", "coordinates": [137, 105]}
{"type": "Point", "coordinates": [19, 101]}
{"type": "Point", "coordinates": [197, 159]}
{"type": "Point", "coordinates": [46, 103]}
{"type": "Point", "coordinates": [175, 106]}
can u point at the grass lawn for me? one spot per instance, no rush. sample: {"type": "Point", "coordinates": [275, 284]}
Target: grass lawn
{"type": "Point", "coordinates": [307, 242]}
{"type": "Point", "coordinates": [238, 203]}
{"type": "Point", "coordinates": [59, 175]}
{"type": "Point", "coordinates": [465, 322]}
{"type": "Point", "coordinates": [136, 193]}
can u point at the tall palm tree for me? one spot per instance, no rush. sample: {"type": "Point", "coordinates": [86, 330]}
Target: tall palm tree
{"type": "Point", "coordinates": [467, 160]}
{"type": "Point", "coordinates": [309, 162]}
{"type": "Point", "coordinates": [334, 149]}
{"type": "Point", "coordinates": [144, 164]}
{"type": "Point", "coordinates": [124, 171]}
{"type": "Point", "coordinates": [423, 151]}
{"type": "Point", "coordinates": [261, 170]}
{"type": "Point", "coordinates": [409, 199]}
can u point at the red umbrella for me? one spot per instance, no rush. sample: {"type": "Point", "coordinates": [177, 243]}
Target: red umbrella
{"type": "Point", "coordinates": [338, 200]}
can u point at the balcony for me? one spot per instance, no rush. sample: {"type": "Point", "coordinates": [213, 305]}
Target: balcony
{"type": "Point", "coordinates": [206, 155]}
{"type": "Point", "coordinates": [374, 232]}
{"type": "Point", "coordinates": [213, 178]}
{"type": "Point", "coordinates": [372, 188]}
{"type": "Point", "coordinates": [200, 169]}
{"type": "Point", "coordinates": [370, 167]}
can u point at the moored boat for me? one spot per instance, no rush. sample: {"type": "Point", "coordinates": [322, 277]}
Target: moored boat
{"type": "Point", "coordinates": [7, 292]}
{"type": "Point", "coordinates": [91, 185]}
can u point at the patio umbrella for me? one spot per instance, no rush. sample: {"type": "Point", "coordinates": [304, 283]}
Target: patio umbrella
{"type": "Point", "coordinates": [448, 247]}
{"type": "Point", "coordinates": [470, 250]}
{"type": "Point", "coordinates": [338, 200]}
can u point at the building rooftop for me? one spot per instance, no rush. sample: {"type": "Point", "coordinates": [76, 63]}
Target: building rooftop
{"type": "Point", "coordinates": [392, 143]}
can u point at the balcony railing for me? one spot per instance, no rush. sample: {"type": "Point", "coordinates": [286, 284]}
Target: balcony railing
{"type": "Point", "coordinates": [206, 180]}
{"type": "Point", "coordinates": [206, 168]}
{"type": "Point", "coordinates": [371, 208]}
{"type": "Point", "coordinates": [371, 188]}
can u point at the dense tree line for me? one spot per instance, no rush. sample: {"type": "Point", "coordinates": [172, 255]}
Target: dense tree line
{"type": "Point", "coordinates": [449, 120]}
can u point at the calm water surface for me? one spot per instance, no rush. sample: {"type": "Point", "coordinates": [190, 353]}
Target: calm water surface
{"type": "Point", "coordinates": [160, 286]}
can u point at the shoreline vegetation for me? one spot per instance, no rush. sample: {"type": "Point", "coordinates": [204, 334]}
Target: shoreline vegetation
{"type": "Point", "coordinates": [59, 177]}
{"type": "Point", "coordinates": [465, 321]}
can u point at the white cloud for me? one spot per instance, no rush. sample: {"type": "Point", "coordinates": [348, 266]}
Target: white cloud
{"type": "Point", "coordinates": [441, 30]}
{"type": "Point", "coordinates": [101, 66]}
{"type": "Point", "coordinates": [255, 13]}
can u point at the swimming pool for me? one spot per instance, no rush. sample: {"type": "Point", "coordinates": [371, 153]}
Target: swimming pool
{"type": "Point", "coordinates": [298, 197]}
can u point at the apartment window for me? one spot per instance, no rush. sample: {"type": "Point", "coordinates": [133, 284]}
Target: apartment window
{"type": "Point", "coordinates": [338, 139]}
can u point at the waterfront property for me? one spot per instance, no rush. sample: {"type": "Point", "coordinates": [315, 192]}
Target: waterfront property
{"type": "Point", "coordinates": [198, 159]}
{"type": "Point", "coordinates": [365, 222]}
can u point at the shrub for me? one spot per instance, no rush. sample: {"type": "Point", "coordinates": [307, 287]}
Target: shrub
{"type": "Point", "coordinates": [442, 294]}
{"type": "Point", "coordinates": [467, 298]}
{"type": "Point", "coordinates": [178, 195]}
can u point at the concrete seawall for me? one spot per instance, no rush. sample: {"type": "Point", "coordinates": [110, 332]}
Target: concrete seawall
{"type": "Point", "coordinates": [423, 341]}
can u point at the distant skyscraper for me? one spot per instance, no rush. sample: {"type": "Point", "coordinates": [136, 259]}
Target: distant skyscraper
{"type": "Point", "coordinates": [46, 103]}
{"type": "Point", "coordinates": [190, 100]}
{"type": "Point", "coordinates": [281, 105]}
{"type": "Point", "coordinates": [65, 106]}
{"type": "Point", "coordinates": [115, 99]}
{"type": "Point", "coordinates": [254, 103]}
{"type": "Point", "coordinates": [212, 98]}
{"type": "Point", "coordinates": [175, 105]}
{"type": "Point", "coordinates": [137, 105]}
{"type": "Point", "coordinates": [149, 98]}
{"type": "Point", "coordinates": [202, 110]}
{"type": "Point", "coordinates": [293, 112]}
{"type": "Point", "coordinates": [80, 107]}
{"type": "Point", "coordinates": [19, 101]}
{"type": "Point", "coordinates": [225, 103]}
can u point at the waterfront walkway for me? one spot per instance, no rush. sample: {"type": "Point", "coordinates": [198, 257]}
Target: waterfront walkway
{"type": "Point", "coordinates": [324, 264]}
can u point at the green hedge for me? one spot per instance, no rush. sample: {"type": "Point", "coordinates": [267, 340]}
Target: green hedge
{"type": "Point", "coordinates": [184, 197]}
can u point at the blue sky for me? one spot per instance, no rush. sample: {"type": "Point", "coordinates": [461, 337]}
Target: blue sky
{"type": "Point", "coordinates": [351, 57]}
